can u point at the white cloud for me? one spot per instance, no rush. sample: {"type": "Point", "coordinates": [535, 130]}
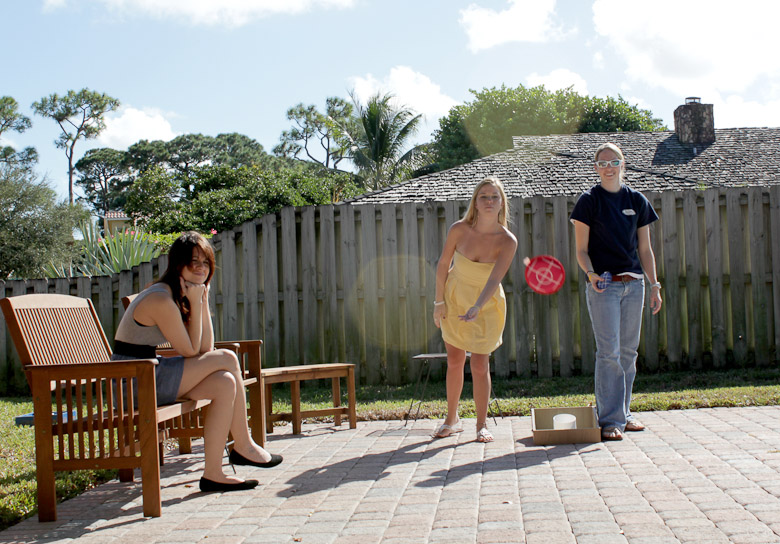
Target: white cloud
{"type": "Point", "coordinates": [638, 102]}
{"type": "Point", "coordinates": [231, 13]}
{"type": "Point", "coordinates": [51, 5]}
{"type": "Point", "coordinates": [8, 142]}
{"type": "Point", "coordinates": [734, 111]}
{"type": "Point", "coordinates": [522, 21]}
{"type": "Point", "coordinates": [598, 60]}
{"type": "Point", "coordinates": [129, 125]}
{"type": "Point", "coordinates": [560, 78]}
{"type": "Point", "coordinates": [411, 89]}
{"type": "Point", "coordinates": [696, 47]}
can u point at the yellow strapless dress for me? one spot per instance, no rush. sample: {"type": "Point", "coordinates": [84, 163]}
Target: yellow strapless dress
{"type": "Point", "coordinates": [465, 281]}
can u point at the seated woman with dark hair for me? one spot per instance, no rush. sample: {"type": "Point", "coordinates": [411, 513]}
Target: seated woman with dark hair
{"type": "Point", "coordinates": [175, 309]}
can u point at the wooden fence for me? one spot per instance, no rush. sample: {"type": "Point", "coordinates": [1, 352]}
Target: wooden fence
{"type": "Point", "coordinates": [355, 283]}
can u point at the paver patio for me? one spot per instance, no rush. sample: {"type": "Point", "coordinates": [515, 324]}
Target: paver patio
{"type": "Point", "coordinates": [704, 476]}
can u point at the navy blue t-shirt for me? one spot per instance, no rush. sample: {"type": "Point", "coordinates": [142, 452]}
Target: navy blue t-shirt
{"type": "Point", "coordinates": [614, 219]}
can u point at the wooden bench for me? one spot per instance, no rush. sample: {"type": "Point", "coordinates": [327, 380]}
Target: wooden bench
{"type": "Point", "coordinates": [249, 357]}
{"type": "Point", "coordinates": [66, 356]}
{"type": "Point", "coordinates": [294, 375]}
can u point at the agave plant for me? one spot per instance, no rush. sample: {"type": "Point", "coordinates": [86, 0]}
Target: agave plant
{"type": "Point", "coordinates": [120, 250]}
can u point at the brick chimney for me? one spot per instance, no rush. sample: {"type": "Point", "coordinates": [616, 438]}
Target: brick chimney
{"type": "Point", "coordinates": [694, 122]}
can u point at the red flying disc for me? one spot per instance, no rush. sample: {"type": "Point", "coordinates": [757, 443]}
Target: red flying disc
{"type": "Point", "coordinates": [544, 274]}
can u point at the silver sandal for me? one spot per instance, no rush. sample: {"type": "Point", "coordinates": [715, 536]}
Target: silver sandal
{"type": "Point", "coordinates": [445, 430]}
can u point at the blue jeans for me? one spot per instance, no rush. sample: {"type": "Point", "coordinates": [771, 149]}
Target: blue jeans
{"type": "Point", "coordinates": [616, 316]}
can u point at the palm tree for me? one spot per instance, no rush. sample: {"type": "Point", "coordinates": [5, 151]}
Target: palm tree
{"type": "Point", "coordinates": [379, 138]}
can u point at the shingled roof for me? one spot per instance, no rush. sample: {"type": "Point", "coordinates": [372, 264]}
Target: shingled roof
{"type": "Point", "coordinates": [563, 165]}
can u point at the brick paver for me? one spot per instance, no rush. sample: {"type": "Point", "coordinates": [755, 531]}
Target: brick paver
{"type": "Point", "coordinates": [694, 476]}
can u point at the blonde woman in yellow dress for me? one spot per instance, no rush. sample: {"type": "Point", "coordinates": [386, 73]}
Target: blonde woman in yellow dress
{"type": "Point", "coordinates": [470, 307]}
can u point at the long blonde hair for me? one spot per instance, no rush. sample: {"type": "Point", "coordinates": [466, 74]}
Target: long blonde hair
{"type": "Point", "coordinates": [503, 213]}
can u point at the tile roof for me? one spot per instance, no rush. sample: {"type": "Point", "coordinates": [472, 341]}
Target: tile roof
{"type": "Point", "coordinates": [562, 165]}
{"type": "Point", "coordinates": [114, 215]}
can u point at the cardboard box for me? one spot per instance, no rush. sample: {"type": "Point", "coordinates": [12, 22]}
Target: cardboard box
{"type": "Point", "coordinates": [587, 430]}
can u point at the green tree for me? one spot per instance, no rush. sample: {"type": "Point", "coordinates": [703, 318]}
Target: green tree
{"type": "Point", "coordinates": [80, 115]}
{"type": "Point", "coordinates": [380, 141]}
{"type": "Point", "coordinates": [145, 154]}
{"type": "Point", "coordinates": [234, 150]}
{"type": "Point", "coordinates": [312, 129]}
{"type": "Point", "coordinates": [154, 193]}
{"type": "Point", "coordinates": [12, 120]}
{"type": "Point", "coordinates": [222, 197]}
{"type": "Point", "coordinates": [616, 115]}
{"type": "Point", "coordinates": [34, 228]}
{"type": "Point", "coordinates": [103, 176]}
{"type": "Point", "coordinates": [487, 124]}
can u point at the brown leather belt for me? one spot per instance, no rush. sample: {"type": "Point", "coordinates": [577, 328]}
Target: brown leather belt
{"type": "Point", "coordinates": [623, 277]}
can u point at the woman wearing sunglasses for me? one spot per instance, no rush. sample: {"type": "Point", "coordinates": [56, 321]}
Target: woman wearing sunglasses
{"type": "Point", "coordinates": [175, 309]}
{"type": "Point", "coordinates": [612, 232]}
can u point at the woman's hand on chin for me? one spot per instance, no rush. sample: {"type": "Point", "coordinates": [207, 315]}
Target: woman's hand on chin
{"type": "Point", "coordinates": [193, 291]}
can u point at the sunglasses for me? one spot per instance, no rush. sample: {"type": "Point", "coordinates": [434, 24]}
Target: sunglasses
{"type": "Point", "coordinates": [614, 163]}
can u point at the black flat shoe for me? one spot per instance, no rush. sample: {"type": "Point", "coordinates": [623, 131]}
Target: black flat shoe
{"type": "Point", "coordinates": [238, 459]}
{"type": "Point", "coordinates": [207, 485]}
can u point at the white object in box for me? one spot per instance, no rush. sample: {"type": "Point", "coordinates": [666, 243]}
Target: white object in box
{"type": "Point", "coordinates": [586, 423]}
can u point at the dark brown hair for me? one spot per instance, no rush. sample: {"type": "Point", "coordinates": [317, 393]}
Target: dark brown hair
{"type": "Point", "coordinates": [179, 256]}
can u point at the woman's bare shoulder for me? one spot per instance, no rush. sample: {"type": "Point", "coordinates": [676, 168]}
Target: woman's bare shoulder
{"type": "Point", "coordinates": [509, 238]}
{"type": "Point", "coordinates": [459, 226]}
{"type": "Point", "coordinates": [158, 297]}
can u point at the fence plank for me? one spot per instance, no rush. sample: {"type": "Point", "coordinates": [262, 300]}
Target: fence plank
{"type": "Point", "coordinates": [105, 306]}
{"type": "Point", "coordinates": [250, 291]}
{"type": "Point", "coordinates": [84, 287]}
{"type": "Point", "coordinates": [145, 276]}
{"type": "Point", "coordinates": [565, 326]}
{"type": "Point", "coordinates": [370, 283]}
{"type": "Point", "coordinates": [774, 217]}
{"type": "Point", "coordinates": [417, 314]}
{"type": "Point", "coordinates": [6, 358]}
{"type": "Point", "coordinates": [329, 288]}
{"type": "Point", "coordinates": [432, 248]}
{"type": "Point", "coordinates": [541, 302]}
{"type": "Point", "coordinates": [715, 264]}
{"type": "Point", "coordinates": [311, 339]}
{"type": "Point", "coordinates": [693, 274]}
{"type": "Point", "coordinates": [349, 275]}
{"type": "Point", "coordinates": [737, 279]}
{"type": "Point", "coordinates": [290, 286]}
{"type": "Point", "coordinates": [14, 373]}
{"type": "Point", "coordinates": [758, 249]}
{"type": "Point", "coordinates": [671, 257]}
{"type": "Point", "coordinates": [521, 314]}
{"type": "Point", "coordinates": [391, 303]}
{"type": "Point", "coordinates": [650, 322]}
{"type": "Point", "coordinates": [270, 292]}
{"type": "Point", "coordinates": [42, 286]}
{"type": "Point", "coordinates": [229, 286]}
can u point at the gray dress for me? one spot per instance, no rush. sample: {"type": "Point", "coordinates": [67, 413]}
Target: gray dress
{"type": "Point", "coordinates": [136, 341]}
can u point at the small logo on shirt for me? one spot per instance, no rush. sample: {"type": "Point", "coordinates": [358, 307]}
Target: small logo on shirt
{"type": "Point", "coordinates": [629, 211]}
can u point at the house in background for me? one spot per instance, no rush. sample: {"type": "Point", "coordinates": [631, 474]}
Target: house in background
{"type": "Point", "coordinates": [693, 156]}
{"type": "Point", "coordinates": [115, 220]}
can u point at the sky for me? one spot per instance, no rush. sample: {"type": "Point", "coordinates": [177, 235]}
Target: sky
{"type": "Point", "coordinates": [211, 67]}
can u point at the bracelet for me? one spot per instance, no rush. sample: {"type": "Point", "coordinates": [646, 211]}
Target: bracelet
{"type": "Point", "coordinates": [656, 284]}
{"type": "Point", "coordinates": [438, 302]}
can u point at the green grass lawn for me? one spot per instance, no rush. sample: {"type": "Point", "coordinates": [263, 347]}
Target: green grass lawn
{"type": "Point", "coordinates": [670, 391]}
